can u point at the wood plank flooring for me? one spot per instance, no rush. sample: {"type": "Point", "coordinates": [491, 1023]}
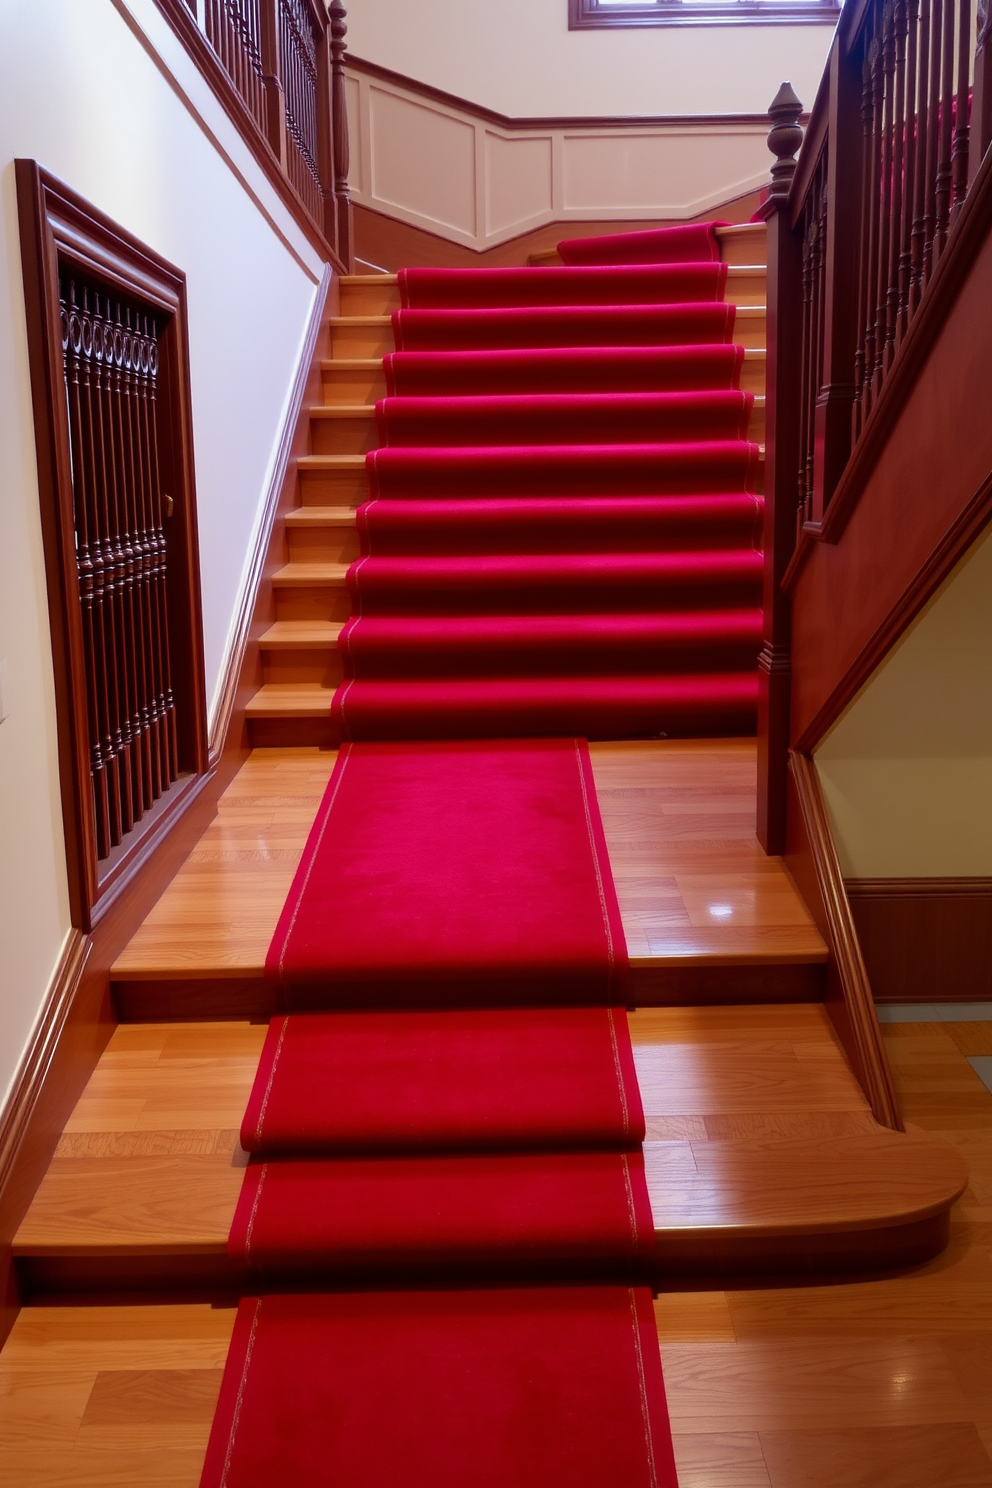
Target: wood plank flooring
{"type": "Point", "coordinates": [865, 1383]}
{"type": "Point", "coordinates": [694, 886]}
{"type": "Point", "coordinates": [757, 1132]}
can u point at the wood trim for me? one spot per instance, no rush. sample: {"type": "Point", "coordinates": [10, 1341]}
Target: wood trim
{"type": "Point", "coordinates": [585, 15]}
{"type": "Point", "coordinates": [201, 53]}
{"type": "Point", "coordinates": [908, 888]}
{"type": "Point", "coordinates": [57, 224]}
{"type": "Point", "coordinates": [925, 939]}
{"type": "Point", "coordinates": [548, 121]}
{"type": "Point", "coordinates": [955, 543]}
{"type": "Point", "coordinates": [812, 860]}
{"type": "Point", "coordinates": [305, 390]}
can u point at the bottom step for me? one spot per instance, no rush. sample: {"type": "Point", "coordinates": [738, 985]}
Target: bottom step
{"type": "Point", "coordinates": [761, 1155]}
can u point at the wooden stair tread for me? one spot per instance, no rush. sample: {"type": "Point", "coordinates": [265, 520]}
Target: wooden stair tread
{"type": "Point", "coordinates": [366, 320]}
{"type": "Point", "coordinates": [298, 574]}
{"type": "Point", "coordinates": [362, 279]}
{"type": "Point", "coordinates": [343, 411]}
{"type": "Point", "coordinates": [331, 462]}
{"type": "Point", "coordinates": [149, 1161]}
{"type": "Point", "coordinates": [675, 814]}
{"type": "Point", "coordinates": [351, 364]}
{"type": "Point", "coordinates": [301, 634]}
{"type": "Point", "coordinates": [321, 516]}
{"type": "Point", "coordinates": [290, 700]}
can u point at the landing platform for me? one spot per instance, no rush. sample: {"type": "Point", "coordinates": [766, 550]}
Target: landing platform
{"type": "Point", "coordinates": [707, 915]}
{"type": "Point", "coordinates": [761, 1152]}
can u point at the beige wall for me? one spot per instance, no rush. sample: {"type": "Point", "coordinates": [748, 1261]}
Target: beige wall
{"type": "Point", "coordinates": [102, 95]}
{"type": "Point", "coordinates": [907, 772]}
{"type": "Point", "coordinates": [518, 57]}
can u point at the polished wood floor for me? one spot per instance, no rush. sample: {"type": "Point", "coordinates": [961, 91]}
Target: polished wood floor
{"type": "Point", "coordinates": [756, 1129]}
{"type": "Point", "coordinates": [694, 886]}
{"type": "Point", "coordinates": [868, 1383]}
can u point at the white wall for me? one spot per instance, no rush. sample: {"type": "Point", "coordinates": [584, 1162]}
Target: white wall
{"type": "Point", "coordinates": [102, 95]}
{"type": "Point", "coordinates": [518, 57]}
{"type": "Point", "coordinates": [907, 772]}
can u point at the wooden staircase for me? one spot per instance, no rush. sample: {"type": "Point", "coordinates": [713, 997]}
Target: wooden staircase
{"type": "Point", "coordinates": [300, 660]}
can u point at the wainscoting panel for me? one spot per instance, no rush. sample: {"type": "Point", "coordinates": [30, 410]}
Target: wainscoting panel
{"type": "Point", "coordinates": [925, 939]}
{"type": "Point", "coordinates": [477, 179]}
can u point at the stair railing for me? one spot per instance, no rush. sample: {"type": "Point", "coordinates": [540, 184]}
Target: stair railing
{"type": "Point", "coordinates": [277, 66]}
{"type": "Point", "coordinates": [858, 227]}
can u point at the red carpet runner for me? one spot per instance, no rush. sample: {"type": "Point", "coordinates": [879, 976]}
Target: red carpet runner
{"type": "Point", "coordinates": [463, 1162]}
{"type": "Point", "coordinates": [563, 535]}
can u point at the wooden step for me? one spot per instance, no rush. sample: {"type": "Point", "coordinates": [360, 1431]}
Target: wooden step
{"type": "Point", "coordinates": [760, 1149]}
{"type": "Point", "coordinates": [740, 243]}
{"type": "Point", "coordinates": [353, 380]}
{"type": "Point", "coordinates": [317, 575]}
{"type": "Point", "coordinates": [301, 635]}
{"type": "Point", "coordinates": [290, 700]}
{"type": "Point", "coordinates": [753, 370]}
{"type": "Point", "coordinates": [746, 284]}
{"type": "Point", "coordinates": [674, 812]}
{"type": "Point", "coordinates": [332, 480]}
{"type": "Point", "coordinates": [369, 294]}
{"type": "Point", "coordinates": [749, 326]}
{"type": "Point", "coordinates": [343, 429]}
{"type": "Point", "coordinates": [322, 534]}
{"type": "Point", "coordinates": [361, 336]}
{"type": "Point", "coordinates": [756, 423]}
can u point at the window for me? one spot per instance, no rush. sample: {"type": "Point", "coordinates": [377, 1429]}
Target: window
{"type": "Point", "coordinates": [588, 14]}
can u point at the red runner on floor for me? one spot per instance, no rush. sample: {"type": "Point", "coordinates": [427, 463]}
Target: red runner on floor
{"type": "Point", "coordinates": [562, 325]}
{"type": "Point", "coordinates": [494, 1079]}
{"type": "Point", "coordinates": [696, 240]}
{"type": "Point", "coordinates": [647, 284]}
{"type": "Point", "coordinates": [470, 873]}
{"type": "Point", "coordinates": [580, 369]}
{"type": "Point", "coordinates": [556, 1387]}
{"type": "Point", "coordinates": [386, 1216]}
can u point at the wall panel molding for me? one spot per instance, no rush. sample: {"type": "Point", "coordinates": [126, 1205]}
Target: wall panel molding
{"type": "Point", "coordinates": [476, 178]}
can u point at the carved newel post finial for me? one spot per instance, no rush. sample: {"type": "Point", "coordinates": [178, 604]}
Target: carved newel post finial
{"type": "Point", "coordinates": [784, 139]}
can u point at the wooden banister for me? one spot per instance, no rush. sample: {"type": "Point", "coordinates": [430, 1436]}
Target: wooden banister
{"type": "Point", "coordinates": [277, 66]}
{"type": "Point", "coordinates": [857, 228]}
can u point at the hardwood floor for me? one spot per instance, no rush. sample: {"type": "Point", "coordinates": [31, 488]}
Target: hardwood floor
{"type": "Point", "coordinates": [864, 1383]}
{"type": "Point", "coordinates": [876, 1383]}
{"type": "Point", "coordinates": [694, 886]}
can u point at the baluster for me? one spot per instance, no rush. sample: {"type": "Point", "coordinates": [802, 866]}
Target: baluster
{"type": "Point", "coordinates": [137, 698]}
{"type": "Point", "coordinates": [71, 347]}
{"type": "Point", "coordinates": [103, 568]}
{"type": "Point", "coordinates": [981, 109]}
{"type": "Point", "coordinates": [864, 261]}
{"type": "Point", "coordinates": [898, 157]}
{"type": "Point", "coordinates": [933, 141]}
{"type": "Point", "coordinates": [959, 153]}
{"type": "Point", "coordinates": [885, 201]}
{"type": "Point", "coordinates": [160, 551]}
{"type": "Point", "coordinates": [804, 490]}
{"type": "Point", "coordinates": [131, 785]}
{"type": "Point", "coordinates": [943, 183]}
{"type": "Point", "coordinates": [874, 231]}
{"type": "Point", "coordinates": [156, 701]}
{"type": "Point", "coordinates": [151, 778]}
{"type": "Point", "coordinates": [909, 175]}
{"type": "Point", "coordinates": [919, 238]}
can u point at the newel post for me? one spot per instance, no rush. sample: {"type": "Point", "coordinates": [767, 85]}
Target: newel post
{"type": "Point", "coordinates": [784, 319]}
{"type": "Point", "coordinates": [344, 232]}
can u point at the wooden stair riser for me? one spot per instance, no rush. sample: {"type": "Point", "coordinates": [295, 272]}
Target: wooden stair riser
{"type": "Point", "coordinates": [323, 544]}
{"type": "Point", "coordinates": [749, 327]}
{"type": "Point", "coordinates": [312, 668]}
{"type": "Point", "coordinates": [752, 378]}
{"type": "Point", "coordinates": [343, 487]}
{"type": "Point", "coordinates": [369, 294]}
{"type": "Point", "coordinates": [352, 384]}
{"type": "Point", "coordinates": [332, 432]}
{"type": "Point", "coordinates": [315, 603]}
{"type": "Point", "coordinates": [361, 338]}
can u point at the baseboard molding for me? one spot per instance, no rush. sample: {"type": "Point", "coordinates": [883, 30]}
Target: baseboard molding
{"type": "Point", "coordinates": [925, 939]}
{"type": "Point", "coordinates": [811, 856]}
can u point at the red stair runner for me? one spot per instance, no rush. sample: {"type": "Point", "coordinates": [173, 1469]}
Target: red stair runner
{"type": "Point", "coordinates": [610, 386]}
